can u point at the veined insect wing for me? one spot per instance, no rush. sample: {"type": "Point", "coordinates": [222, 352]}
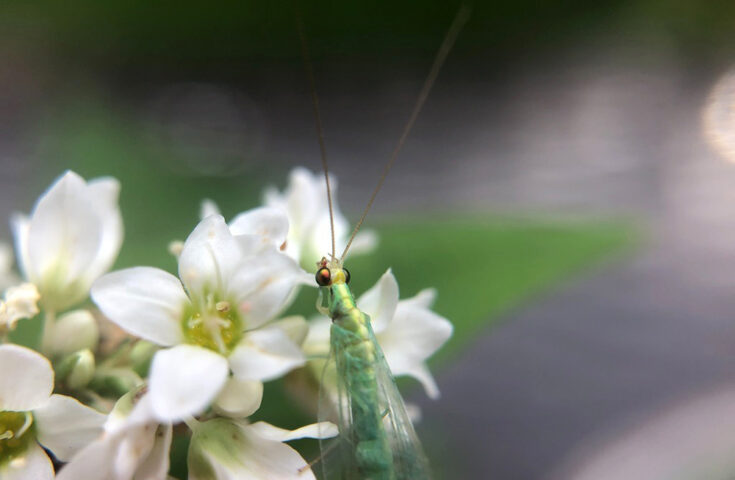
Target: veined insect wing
{"type": "Point", "coordinates": [409, 459]}
{"type": "Point", "coordinates": [337, 460]}
{"type": "Point", "coordinates": [335, 404]}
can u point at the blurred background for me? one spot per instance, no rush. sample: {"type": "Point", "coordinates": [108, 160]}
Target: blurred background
{"type": "Point", "coordinates": [569, 189]}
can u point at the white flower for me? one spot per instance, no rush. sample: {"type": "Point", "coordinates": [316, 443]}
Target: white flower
{"type": "Point", "coordinates": [134, 445]}
{"type": "Point", "coordinates": [20, 302]}
{"type": "Point", "coordinates": [214, 323]}
{"type": "Point", "coordinates": [305, 202]}
{"type": "Point", "coordinates": [72, 237]}
{"type": "Point", "coordinates": [223, 449]}
{"type": "Point", "coordinates": [407, 330]}
{"type": "Point", "coordinates": [7, 277]}
{"type": "Point", "coordinates": [30, 414]}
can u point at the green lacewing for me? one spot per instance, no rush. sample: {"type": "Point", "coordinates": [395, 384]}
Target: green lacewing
{"type": "Point", "coordinates": [376, 438]}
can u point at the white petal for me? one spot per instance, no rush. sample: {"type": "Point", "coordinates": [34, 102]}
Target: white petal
{"type": "Point", "coordinates": [413, 336]}
{"type": "Point", "coordinates": [26, 378]}
{"type": "Point", "coordinates": [295, 327]}
{"type": "Point", "coordinates": [7, 277]}
{"type": "Point", "coordinates": [63, 240]}
{"type": "Point", "coordinates": [262, 286]}
{"type": "Point", "coordinates": [365, 241]}
{"type": "Point", "coordinates": [156, 465]}
{"type": "Point", "coordinates": [35, 465]}
{"type": "Point", "coordinates": [6, 258]}
{"type": "Point", "coordinates": [317, 341]}
{"type": "Point", "coordinates": [75, 331]}
{"type": "Point", "coordinates": [421, 372]}
{"type": "Point", "coordinates": [424, 299]}
{"type": "Point", "coordinates": [269, 225]}
{"type": "Point", "coordinates": [315, 430]}
{"type": "Point", "coordinates": [380, 301]}
{"type": "Point", "coordinates": [20, 224]}
{"type": "Point", "coordinates": [104, 193]}
{"type": "Point", "coordinates": [225, 450]}
{"type": "Point", "coordinates": [209, 258]}
{"type": "Point", "coordinates": [65, 426]}
{"type": "Point", "coordinates": [94, 462]}
{"type": "Point", "coordinates": [184, 380]}
{"type": "Point", "coordinates": [265, 354]}
{"type": "Point", "coordinates": [208, 208]}
{"type": "Point", "coordinates": [144, 301]}
{"type": "Point", "coordinates": [239, 398]}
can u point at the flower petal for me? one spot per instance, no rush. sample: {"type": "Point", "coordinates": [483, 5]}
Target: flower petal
{"type": "Point", "coordinates": [295, 327]}
{"type": "Point", "coordinates": [26, 378]}
{"type": "Point", "coordinates": [7, 277]}
{"type": "Point", "coordinates": [208, 208]}
{"type": "Point", "coordinates": [20, 224]}
{"type": "Point", "coordinates": [262, 286]}
{"type": "Point", "coordinates": [268, 225]}
{"type": "Point", "coordinates": [209, 258]}
{"type": "Point", "coordinates": [265, 354]}
{"type": "Point", "coordinates": [413, 336]}
{"type": "Point", "coordinates": [145, 301]}
{"type": "Point", "coordinates": [225, 450]}
{"type": "Point", "coordinates": [424, 299]}
{"type": "Point", "coordinates": [184, 380]}
{"type": "Point", "coordinates": [317, 341]}
{"type": "Point", "coordinates": [34, 464]}
{"type": "Point", "coordinates": [65, 426]}
{"type": "Point", "coordinates": [64, 225]}
{"type": "Point", "coordinates": [94, 462]}
{"type": "Point", "coordinates": [365, 241]}
{"type": "Point", "coordinates": [105, 192]}
{"type": "Point", "coordinates": [239, 398]}
{"type": "Point", "coordinates": [156, 464]}
{"type": "Point", "coordinates": [380, 301]}
{"type": "Point", "coordinates": [314, 430]}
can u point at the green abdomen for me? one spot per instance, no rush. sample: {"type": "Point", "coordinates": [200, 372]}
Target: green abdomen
{"type": "Point", "coordinates": [355, 357]}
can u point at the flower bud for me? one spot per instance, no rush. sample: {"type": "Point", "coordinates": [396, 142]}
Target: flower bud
{"type": "Point", "coordinates": [115, 382]}
{"type": "Point", "coordinates": [141, 356]}
{"type": "Point", "coordinates": [77, 369]}
{"type": "Point", "coordinates": [74, 331]}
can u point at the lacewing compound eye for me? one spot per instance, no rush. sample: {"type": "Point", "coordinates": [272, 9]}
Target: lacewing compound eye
{"type": "Point", "coordinates": [347, 275]}
{"type": "Point", "coordinates": [323, 277]}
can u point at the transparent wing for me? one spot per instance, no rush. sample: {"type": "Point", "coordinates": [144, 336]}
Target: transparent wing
{"type": "Point", "coordinates": [338, 455]}
{"type": "Point", "coordinates": [409, 459]}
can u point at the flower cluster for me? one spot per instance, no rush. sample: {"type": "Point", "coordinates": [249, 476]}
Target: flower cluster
{"type": "Point", "coordinates": [154, 355]}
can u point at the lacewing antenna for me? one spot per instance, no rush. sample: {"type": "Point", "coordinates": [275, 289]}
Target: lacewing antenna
{"type": "Point", "coordinates": [318, 120]}
{"type": "Point", "coordinates": [451, 36]}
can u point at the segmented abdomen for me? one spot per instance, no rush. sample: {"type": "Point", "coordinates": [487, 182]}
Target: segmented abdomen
{"type": "Point", "coordinates": [355, 357]}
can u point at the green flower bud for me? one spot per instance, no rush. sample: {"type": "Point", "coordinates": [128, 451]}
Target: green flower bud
{"type": "Point", "coordinates": [74, 331]}
{"type": "Point", "coordinates": [114, 382]}
{"type": "Point", "coordinates": [141, 356]}
{"type": "Point", "coordinates": [76, 370]}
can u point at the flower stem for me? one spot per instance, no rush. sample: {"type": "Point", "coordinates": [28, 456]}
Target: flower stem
{"type": "Point", "coordinates": [48, 332]}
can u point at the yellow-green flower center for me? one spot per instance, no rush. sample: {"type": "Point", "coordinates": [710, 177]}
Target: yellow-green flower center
{"type": "Point", "coordinates": [216, 325]}
{"type": "Point", "coordinates": [16, 433]}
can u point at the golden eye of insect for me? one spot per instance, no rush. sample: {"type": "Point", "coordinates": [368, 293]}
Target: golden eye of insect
{"type": "Point", "coordinates": [323, 277]}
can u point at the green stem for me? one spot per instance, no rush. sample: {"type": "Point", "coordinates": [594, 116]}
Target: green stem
{"type": "Point", "coordinates": [48, 332]}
